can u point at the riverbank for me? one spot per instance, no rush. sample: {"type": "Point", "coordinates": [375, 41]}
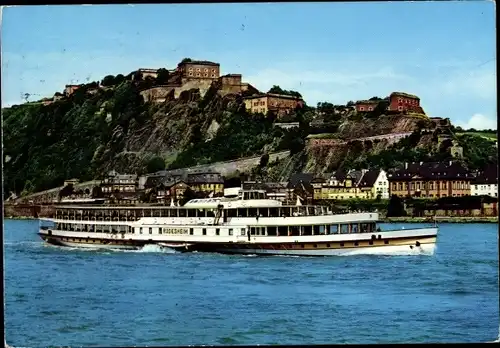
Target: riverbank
{"type": "Point", "coordinates": [440, 219]}
{"type": "Point", "coordinates": [20, 218]}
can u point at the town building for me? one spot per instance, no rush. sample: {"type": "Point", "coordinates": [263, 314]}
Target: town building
{"type": "Point", "coordinates": [171, 190]}
{"type": "Point", "coordinates": [199, 69]}
{"type": "Point", "coordinates": [279, 103]}
{"type": "Point", "coordinates": [70, 89]}
{"type": "Point", "coordinates": [232, 83]}
{"type": "Point", "coordinates": [343, 185]}
{"type": "Point", "coordinates": [207, 183]}
{"type": "Point", "coordinates": [366, 105]}
{"type": "Point", "coordinates": [299, 186]}
{"type": "Point", "coordinates": [485, 183]}
{"type": "Point", "coordinates": [145, 72]}
{"type": "Point", "coordinates": [47, 101]}
{"type": "Point", "coordinates": [274, 190]}
{"type": "Point", "coordinates": [115, 182]}
{"type": "Point", "coordinates": [404, 102]}
{"type": "Point", "coordinates": [430, 180]}
{"type": "Point", "coordinates": [286, 125]}
{"type": "Point", "coordinates": [71, 182]}
{"type": "Point", "coordinates": [374, 184]}
{"type": "Point", "coordinates": [441, 123]}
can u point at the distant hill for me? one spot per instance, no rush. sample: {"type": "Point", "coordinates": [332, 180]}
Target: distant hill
{"type": "Point", "coordinates": [95, 130]}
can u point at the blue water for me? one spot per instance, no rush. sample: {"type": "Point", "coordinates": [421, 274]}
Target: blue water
{"type": "Point", "coordinates": [56, 296]}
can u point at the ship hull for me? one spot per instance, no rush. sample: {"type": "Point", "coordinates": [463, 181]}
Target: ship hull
{"type": "Point", "coordinates": [407, 245]}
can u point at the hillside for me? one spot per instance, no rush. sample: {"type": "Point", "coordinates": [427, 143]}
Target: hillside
{"type": "Point", "coordinates": [95, 130]}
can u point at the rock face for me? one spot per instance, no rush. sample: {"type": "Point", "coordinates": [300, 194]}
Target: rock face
{"type": "Point", "coordinates": [171, 129]}
{"type": "Point", "coordinates": [382, 125]}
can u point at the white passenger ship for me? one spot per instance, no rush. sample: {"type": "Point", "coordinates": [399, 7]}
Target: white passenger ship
{"type": "Point", "coordinates": [241, 222]}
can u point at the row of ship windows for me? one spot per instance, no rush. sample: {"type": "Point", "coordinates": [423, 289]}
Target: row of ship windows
{"type": "Point", "coordinates": [306, 230]}
{"type": "Point", "coordinates": [302, 246]}
{"type": "Point", "coordinates": [186, 212]}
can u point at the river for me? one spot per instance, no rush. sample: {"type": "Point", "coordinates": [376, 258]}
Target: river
{"type": "Point", "coordinates": [70, 297]}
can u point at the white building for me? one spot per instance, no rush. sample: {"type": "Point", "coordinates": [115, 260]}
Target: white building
{"type": "Point", "coordinates": [381, 185]}
{"type": "Point", "coordinates": [485, 183]}
{"type": "Point", "coordinates": [376, 180]}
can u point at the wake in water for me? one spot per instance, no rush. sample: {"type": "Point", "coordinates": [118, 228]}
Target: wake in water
{"type": "Point", "coordinates": [398, 251]}
{"type": "Point", "coordinates": [148, 248]}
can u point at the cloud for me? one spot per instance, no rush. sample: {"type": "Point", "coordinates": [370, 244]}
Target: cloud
{"type": "Point", "coordinates": [480, 83]}
{"type": "Point", "coordinates": [479, 121]}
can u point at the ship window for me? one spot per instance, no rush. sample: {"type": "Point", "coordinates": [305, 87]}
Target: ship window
{"type": "Point", "coordinates": [354, 228]}
{"type": "Point", "coordinates": [204, 231]}
{"type": "Point", "coordinates": [341, 244]}
{"type": "Point", "coordinates": [140, 230]}
{"type": "Point", "coordinates": [274, 212]}
{"type": "Point", "coordinates": [315, 245]}
{"type": "Point", "coordinates": [252, 231]}
{"type": "Point", "coordinates": [182, 212]}
{"type": "Point", "coordinates": [252, 212]}
{"type": "Point", "coordinates": [191, 231]}
{"type": "Point", "coordinates": [316, 229]}
{"type": "Point", "coordinates": [242, 232]}
{"type": "Point", "coordinates": [230, 231]}
{"type": "Point", "coordinates": [217, 231]}
{"type": "Point", "coordinates": [294, 230]}
{"type": "Point", "coordinates": [282, 230]}
{"type": "Point", "coordinates": [334, 229]}
{"type": "Point", "coordinates": [231, 212]}
{"type": "Point", "coordinates": [302, 246]}
{"type": "Point", "coordinates": [210, 213]}
{"type": "Point", "coordinates": [191, 213]}
{"type": "Point", "coordinates": [271, 230]}
{"type": "Point", "coordinates": [344, 228]}
{"type": "Point", "coordinates": [264, 212]}
{"type": "Point", "coordinates": [307, 231]}
{"type": "Point", "coordinates": [150, 230]}
{"type": "Point", "coordinates": [328, 245]}
{"type": "Point", "coordinates": [370, 242]}
{"type": "Point", "coordinates": [356, 243]}
{"type": "Point", "coordinates": [365, 228]}
{"type": "Point", "coordinates": [160, 230]}
{"type": "Point", "coordinates": [386, 242]}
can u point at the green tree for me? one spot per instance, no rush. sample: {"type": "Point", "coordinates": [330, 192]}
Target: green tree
{"type": "Point", "coordinates": [108, 81]}
{"type": "Point", "coordinates": [119, 79]}
{"type": "Point", "coordinates": [66, 191]}
{"type": "Point", "coordinates": [264, 160]}
{"type": "Point", "coordinates": [395, 207]}
{"type": "Point", "coordinates": [155, 164]}
{"type": "Point", "coordinates": [276, 90]}
{"type": "Point", "coordinates": [162, 77]}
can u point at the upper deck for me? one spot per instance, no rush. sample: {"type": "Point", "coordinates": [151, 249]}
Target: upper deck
{"type": "Point", "coordinates": [240, 204]}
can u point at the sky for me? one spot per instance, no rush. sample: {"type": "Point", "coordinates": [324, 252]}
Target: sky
{"type": "Point", "coordinates": [444, 52]}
